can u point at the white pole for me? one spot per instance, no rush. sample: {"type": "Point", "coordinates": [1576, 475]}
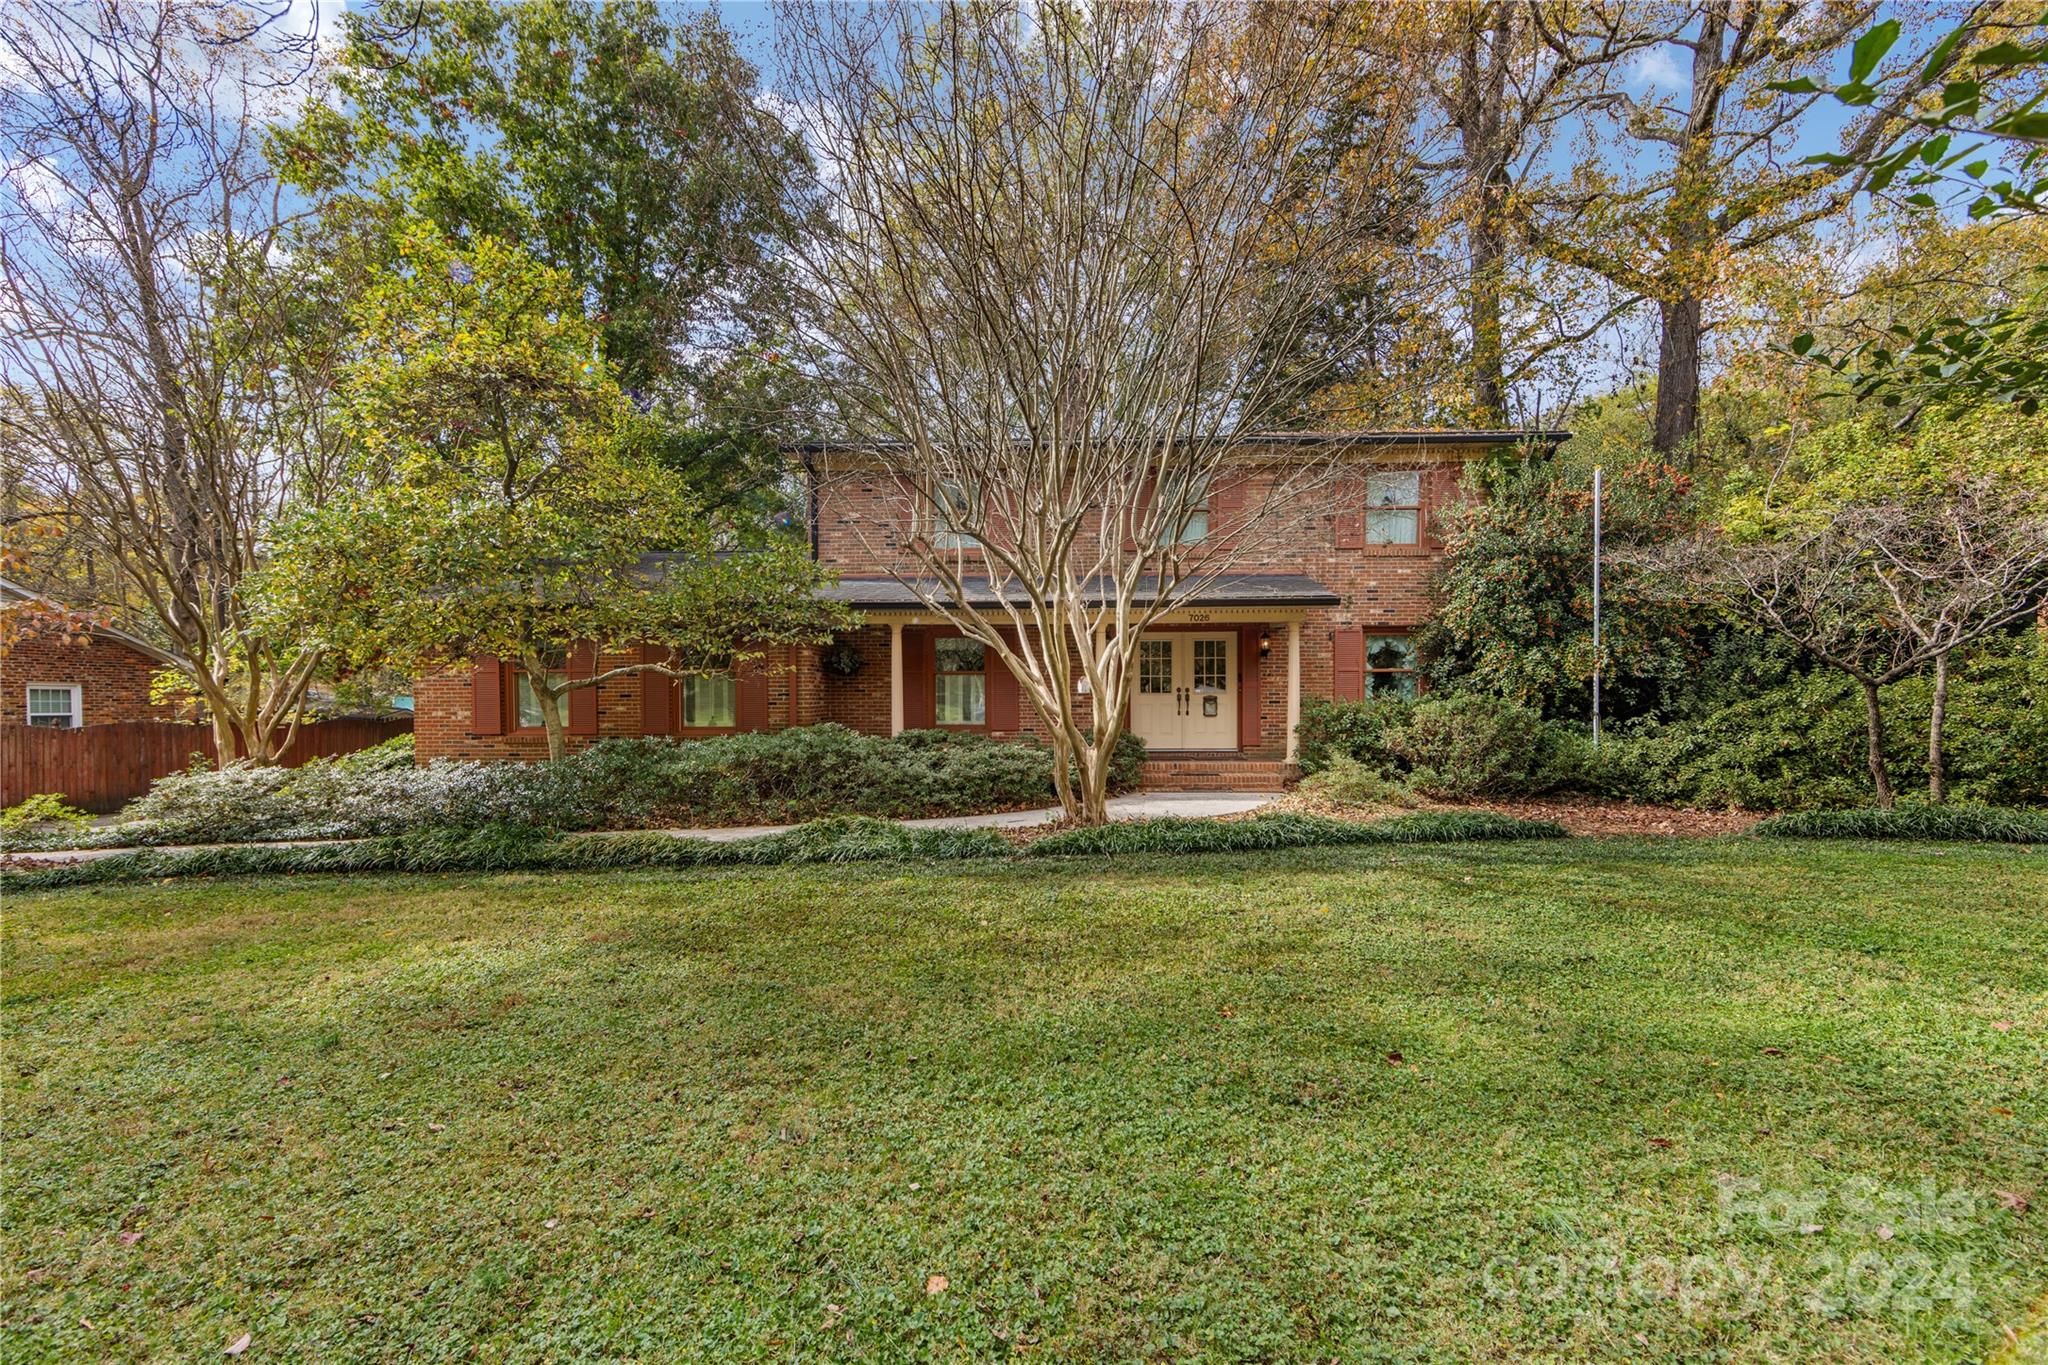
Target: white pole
{"type": "Point", "coordinates": [1596, 607]}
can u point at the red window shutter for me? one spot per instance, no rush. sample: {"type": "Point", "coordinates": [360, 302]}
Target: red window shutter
{"type": "Point", "coordinates": [1249, 699]}
{"type": "Point", "coordinates": [487, 695]}
{"type": "Point", "coordinates": [750, 705]}
{"type": "Point", "coordinates": [1347, 663]}
{"type": "Point", "coordinates": [918, 667]}
{"type": "Point", "coordinates": [1347, 528]}
{"type": "Point", "coordinates": [1134, 517]}
{"type": "Point", "coordinates": [1226, 501]}
{"type": "Point", "coordinates": [1002, 703]}
{"type": "Point", "coordinates": [1439, 495]}
{"type": "Point", "coordinates": [658, 709]}
{"type": "Point", "coordinates": [582, 700]}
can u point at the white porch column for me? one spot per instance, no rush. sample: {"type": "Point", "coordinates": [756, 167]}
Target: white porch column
{"type": "Point", "coordinates": [895, 677]}
{"type": "Point", "coordinates": [1293, 689]}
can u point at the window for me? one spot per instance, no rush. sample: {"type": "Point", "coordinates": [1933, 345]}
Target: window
{"type": "Point", "coordinates": [54, 705]}
{"type": "Point", "coordinates": [950, 507]}
{"type": "Point", "coordinates": [1155, 667]}
{"type": "Point", "coordinates": [529, 701]}
{"type": "Point", "coordinates": [1212, 666]}
{"type": "Point", "coordinates": [1389, 666]}
{"type": "Point", "coordinates": [1393, 507]}
{"type": "Point", "coordinates": [961, 688]}
{"type": "Point", "coordinates": [1196, 508]}
{"type": "Point", "coordinates": [710, 702]}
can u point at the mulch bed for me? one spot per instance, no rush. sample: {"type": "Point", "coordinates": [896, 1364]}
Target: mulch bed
{"type": "Point", "coordinates": [1578, 814]}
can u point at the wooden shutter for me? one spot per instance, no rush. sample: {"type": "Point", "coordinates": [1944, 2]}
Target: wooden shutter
{"type": "Point", "coordinates": [1133, 516]}
{"type": "Point", "coordinates": [1347, 527]}
{"type": "Point", "coordinates": [1249, 697]}
{"type": "Point", "coordinates": [658, 713]}
{"type": "Point", "coordinates": [918, 665]}
{"type": "Point", "coordinates": [1439, 495]}
{"type": "Point", "coordinates": [750, 703]}
{"type": "Point", "coordinates": [1347, 663]}
{"type": "Point", "coordinates": [1226, 501]}
{"type": "Point", "coordinates": [582, 700]}
{"type": "Point", "coordinates": [1002, 708]}
{"type": "Point", "coordinates": [487, 695]}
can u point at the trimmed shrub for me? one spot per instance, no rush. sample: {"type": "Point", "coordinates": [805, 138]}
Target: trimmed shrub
{"type": "Point", "coordinates": [520, 848]}
{"type": "Point", "coordinates": [1347, 782]}
{"type": "Point", "coordinates": [1357, 729]}
{"type": "Point", "coordinates": [1177, 834]}
{"type": "Point", "coordinates": [1981, 824]}
{"type": "Point", "coordinates": [775, 778]}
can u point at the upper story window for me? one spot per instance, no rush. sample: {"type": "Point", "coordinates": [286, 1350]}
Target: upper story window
{"type": "Point", "coordinates": [54, 705]}
{"type": "Point", "coordinates": [1389, 666]}
{"type": "Point", "coordinates": [1393, 507]}
{"type": "Point", "coordinates": [950, 507]}
{"type": "Point", "coordinates": [1191, 508]}
{"type": "Point", "coordinates": [960, 688]}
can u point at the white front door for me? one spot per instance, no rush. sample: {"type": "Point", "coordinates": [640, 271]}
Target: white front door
{"type": "Point", "coordinates": [1186, 692]}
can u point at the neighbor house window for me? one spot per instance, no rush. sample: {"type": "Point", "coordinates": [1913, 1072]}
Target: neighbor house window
{"type": "Point", "coordinates": [529, 699]}
{"type": "Point", "coordinates": [710, 701]}
{"type": "Point", "coordinates": [961, 687]}
{"type": "Point", "coordinates": [950, 507]}
{"type": "Point", "coordinates": [1389, 666]}
{"type": "Point", "coordinates": [1393, 507]}
{"type": "Point", "coordinates": [55, 705]}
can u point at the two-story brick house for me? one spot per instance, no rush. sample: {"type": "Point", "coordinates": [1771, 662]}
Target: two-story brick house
{"type": "Point", "coordinates": [1324, 606]}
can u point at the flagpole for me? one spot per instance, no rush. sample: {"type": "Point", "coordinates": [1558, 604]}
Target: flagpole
{"type": "Point", "coordinates": [1596, 607]}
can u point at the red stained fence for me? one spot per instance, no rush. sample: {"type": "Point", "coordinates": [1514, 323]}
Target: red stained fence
{"type": "Point", "coordinates": [99, 767]}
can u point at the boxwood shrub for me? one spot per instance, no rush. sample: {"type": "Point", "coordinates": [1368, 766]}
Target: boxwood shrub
{"type": "Point", "coordinates": [783, 777]}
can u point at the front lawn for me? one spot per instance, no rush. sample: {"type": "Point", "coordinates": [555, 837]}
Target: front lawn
{"type": "Point", "coordinates": [1628, 1098]}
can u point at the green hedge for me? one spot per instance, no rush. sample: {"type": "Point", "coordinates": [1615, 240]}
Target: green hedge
{"type": "Point", "coordinates": [1983, 824]}
{"type": "Point", "coordinates": [1456, 748]}
{"type": "Point", "coordinates": [844, 839]}
{"type": "Point", "coordinates": [1175, 834]}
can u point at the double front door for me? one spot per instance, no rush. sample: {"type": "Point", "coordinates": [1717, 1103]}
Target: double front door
{"type": "Point", "coordinates": [1186, 694]}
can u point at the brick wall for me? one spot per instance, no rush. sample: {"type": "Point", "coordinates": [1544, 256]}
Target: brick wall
{"type": "Point", "coordinates": [444, 726]}
{"type": "Point", "coordinates": [113, 677]}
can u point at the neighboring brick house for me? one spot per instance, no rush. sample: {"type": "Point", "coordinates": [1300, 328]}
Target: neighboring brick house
{"type": "Point", "coordinates": [1325, 606]}
{"type": "Point", "coordinates": [57, 672]}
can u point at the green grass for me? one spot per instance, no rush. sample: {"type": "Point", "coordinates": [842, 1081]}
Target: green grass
{"type": "Point", "coordinates": [1133, 1112]}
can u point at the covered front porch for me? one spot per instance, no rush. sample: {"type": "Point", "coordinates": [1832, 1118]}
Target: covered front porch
{"type": "Point", "coordinates": [1216, 694]}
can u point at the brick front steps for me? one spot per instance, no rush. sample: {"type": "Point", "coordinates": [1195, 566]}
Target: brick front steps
{"type": "Point", "coordinates": [1217, 772]}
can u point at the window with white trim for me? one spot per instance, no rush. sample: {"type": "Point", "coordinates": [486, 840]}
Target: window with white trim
{"type": "Point", "coordinates": [1393, 507]}
{"type": "Point", "coordinates": [949, 508]}
{"type": "Point", "coordinates": [55, 706]}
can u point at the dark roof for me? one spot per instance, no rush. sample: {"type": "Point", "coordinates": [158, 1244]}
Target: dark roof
{"type": "Point", "coordinates": [1226, 590]}
{"type": "Point", "coordinates": [10, 591]}
{"type": "Point", "coordinates": [1461, 436]}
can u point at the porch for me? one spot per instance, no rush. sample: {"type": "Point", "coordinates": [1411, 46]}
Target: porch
{"type": "Point", "coordinates": [1216, 694]}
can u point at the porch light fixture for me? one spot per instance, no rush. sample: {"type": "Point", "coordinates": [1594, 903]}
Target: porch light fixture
{"type": "Point", "coordinates": [1265, 642]}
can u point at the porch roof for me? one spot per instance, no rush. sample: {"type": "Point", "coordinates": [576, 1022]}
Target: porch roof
{"type": "Point", "coordinates": [1225, 590]}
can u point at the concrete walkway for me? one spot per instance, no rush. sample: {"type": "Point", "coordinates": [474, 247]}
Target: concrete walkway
{"type": "Point", "coordinates": [1141, 806]}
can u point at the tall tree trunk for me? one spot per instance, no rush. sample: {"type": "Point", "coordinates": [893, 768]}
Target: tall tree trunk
{"type": "Point", "coordinates": [1937, 718]}
{"type": "Point", "coordinates": [1874, 727]}
{"type": "Point", "coordinates": [1678, 375]}
{"type": "Point", "coordinates": [1486, 258]}
{"type": "Point", "coordinates": [1480, 113]}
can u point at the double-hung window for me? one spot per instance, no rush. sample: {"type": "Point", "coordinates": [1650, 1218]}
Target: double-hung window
{"type": "Point", "coordinates": [1393, 507]}
{"type": "Point", "coordinates": [54, 706]}
{"type": "Point", "coordinates": [1389, 666]}
{"type": "Point", "coordinates": [1190, 506]}
{"type": "Point", "coordinates": [527, 698]}
{"type": "Point", "coordinates": [950, 507]}
{"type": "Point", "coordinates": [960, 684]}
{"type": "Point", "coordinates": [710, 701]}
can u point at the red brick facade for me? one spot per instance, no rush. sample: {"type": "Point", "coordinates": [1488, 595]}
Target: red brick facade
{"type": "Point", "coordinates": [864, 528]}
{"type": "Point", "coordinates": [112, 676]}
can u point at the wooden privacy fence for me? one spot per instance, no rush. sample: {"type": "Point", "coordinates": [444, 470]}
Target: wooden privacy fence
{"type": "Point", "coordinates": [100, 766]}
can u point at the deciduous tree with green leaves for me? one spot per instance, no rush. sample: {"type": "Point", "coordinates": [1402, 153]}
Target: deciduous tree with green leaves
{"type": "Point", "coordinates": [508, 501]}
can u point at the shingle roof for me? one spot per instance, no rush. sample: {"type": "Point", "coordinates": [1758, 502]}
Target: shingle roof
{"type": "Point", "coordinates": [1226, 590]}
{"type": "Point", "coordinates": [1463, 436]}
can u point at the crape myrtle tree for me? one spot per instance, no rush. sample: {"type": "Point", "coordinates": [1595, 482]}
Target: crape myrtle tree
{"type": "Point", "coordinates": [508, 501]}
{"type": "Point", "coordinates": [1066, 243]}
{"type": "Point", "coordinates": [164, 357]}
